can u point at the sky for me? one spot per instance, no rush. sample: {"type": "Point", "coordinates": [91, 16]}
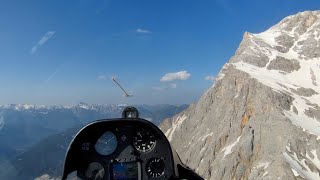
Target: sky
{"type": "Point", "coordinates": [161, 51]}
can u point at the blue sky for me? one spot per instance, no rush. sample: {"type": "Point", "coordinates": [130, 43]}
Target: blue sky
{"type": "Point", "coordinates": [65, 52]}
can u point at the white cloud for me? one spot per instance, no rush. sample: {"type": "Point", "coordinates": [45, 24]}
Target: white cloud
{"type": "Point", "coordinates": [102, 77]}
{"type": "Point", "coordinates": [181, 75]}
{"type": "Point", "coordinates": [143, 31]}
{"type": "Point", "coordinates": [165, 87]}
{"type": "Point", "coordinates": [160, 88]}
{"type": "Point", "coordinates": [173, 86]}
{"type": "Point", "coordinates": [210, 78]}
{"type": "Point", "coordinates": [42, 41]}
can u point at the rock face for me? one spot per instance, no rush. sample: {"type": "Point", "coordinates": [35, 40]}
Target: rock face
{"type": "Point", "coordinates": [261, 118]}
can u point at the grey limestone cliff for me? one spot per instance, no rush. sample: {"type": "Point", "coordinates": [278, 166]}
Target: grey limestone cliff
{"type": "Point", "coordinates": [261, 118]}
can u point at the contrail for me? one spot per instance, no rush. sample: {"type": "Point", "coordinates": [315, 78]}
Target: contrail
{"type": "Point", "coordinates": [52, 75]}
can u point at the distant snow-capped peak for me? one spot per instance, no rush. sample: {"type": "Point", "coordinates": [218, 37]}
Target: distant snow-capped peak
{"type": "Point", "coordinates": [22, 106]}
{"type": "Point", "coordinates": [84, 106]}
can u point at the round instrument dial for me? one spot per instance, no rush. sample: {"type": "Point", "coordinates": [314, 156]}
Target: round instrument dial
{"type": "Point", "coordinates": [95, 171]}
{"type": "Point", "coordinates": [106, 144]}
{"type": "Point", "coordinates": [144, 141]}
{"type": "Point", "coordinates": [155, 168]}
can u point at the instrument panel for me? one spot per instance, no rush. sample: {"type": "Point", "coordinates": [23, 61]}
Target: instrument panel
{"type": "Point", "coordinates": [120, 150]}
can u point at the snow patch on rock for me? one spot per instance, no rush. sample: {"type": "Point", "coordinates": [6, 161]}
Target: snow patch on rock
{"type": "Point", "coordinates": [300, 167]}
{"type": "Point", "coordinates": [269, 37]}
{"type": "Point", "coordinates": [295, 173]}
{"type": "Point", "coordinates": [202, 138]}
{"type": "Point", "coordinates": [175, 126]}
{"type": "Point", "coordinates": [315, 160]}
{"type": "Point", "coordinates": [283, 83]}
{"type": "Point", "coordinates": [263, 165]}
{"type": "Point", "coordinates": [227, 150]}
{"type": "Point", "coordinates": [308, 124]}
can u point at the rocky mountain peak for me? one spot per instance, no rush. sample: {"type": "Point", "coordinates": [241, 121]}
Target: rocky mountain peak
{"type": "Point", "coordinates": [261, 119]}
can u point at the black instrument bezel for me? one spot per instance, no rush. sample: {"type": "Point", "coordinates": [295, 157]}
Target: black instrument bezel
{"type": "Point", "coordinates": [77, 160]}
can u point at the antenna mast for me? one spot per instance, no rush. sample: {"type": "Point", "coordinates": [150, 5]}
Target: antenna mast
{"type": "Point", "coordinates": [125, 92]}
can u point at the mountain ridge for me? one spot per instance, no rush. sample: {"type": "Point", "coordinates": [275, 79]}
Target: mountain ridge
{"type": "Point", "coordinates": [260, 119]}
